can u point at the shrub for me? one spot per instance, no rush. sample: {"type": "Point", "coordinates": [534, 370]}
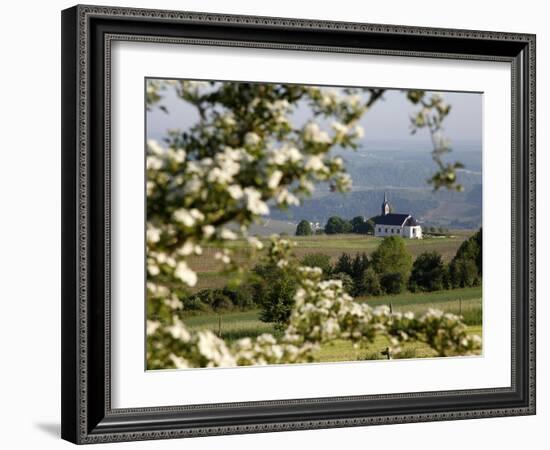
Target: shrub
{"type": "Point", "coordinates": [194, 303]}
{"type": "Point", "coordinates": [243, 296]}
{"type": "Point", "coordinates": [428, 273]}
{"type": "Point", "coordinates": [337, 225]}
{"type": "Point", "coordinates": [215, 299]}
{"type": "Point", "coordinates": [358, 266]}
{"type": "Point", "coordinates": [275, 292]}
{"type": "Point", "coordinates": [392, 256]}
{"type": "Point", "coordinates": [361, 226]}
{"type": "Point", "coordinates": [318, 260]}
{"type": "Point", "coordinates": [463, 272]}
{"type": "Point", "coordinates": [347, 281]}
{"type": "Point", "coordinates": [466, 267]}
{"type": "Point", "coordinates": [222, 302]}
{"type": "Point", "coordinates": [478, 239]}
{"type": "Point", "coordinates": [392, 283]}
{"type": "Point", "coordinates": [343, 264]}
{"type": "Point", "coordinates": [371, 283]}
{"type": "Point", "coordinates": [304, 228]}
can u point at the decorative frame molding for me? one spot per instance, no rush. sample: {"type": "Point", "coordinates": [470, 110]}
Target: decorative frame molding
{"type": "Point", "coordinates": [87, 34]}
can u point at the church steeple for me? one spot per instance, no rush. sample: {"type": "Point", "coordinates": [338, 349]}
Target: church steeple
{"type": "Point", "coordinates": [385, 206]}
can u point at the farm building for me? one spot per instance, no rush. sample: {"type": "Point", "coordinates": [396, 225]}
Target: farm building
{"type": "Point", "coordinates": [392, 224]}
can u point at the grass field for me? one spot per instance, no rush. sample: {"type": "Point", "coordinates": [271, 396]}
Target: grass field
{"type": "Point", "coordinates": [209, 269]}
{"type": "Point", "coordinates": [235, 325]}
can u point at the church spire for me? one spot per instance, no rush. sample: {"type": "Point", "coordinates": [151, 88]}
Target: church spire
{"type": "Point", "coordinates": [385, 205]}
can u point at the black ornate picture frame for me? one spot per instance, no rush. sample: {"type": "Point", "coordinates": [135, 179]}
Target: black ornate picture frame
{"type": "Point", "coordinates": [87, 35]}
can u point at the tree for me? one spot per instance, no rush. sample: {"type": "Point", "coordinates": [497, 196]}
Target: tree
{"type": "Point", "coordinates": [478, 238]}
{"type": "Point", "coordinates": [347, 281]}
{"type": "Point", "coordinates": [304, 228]}
{"type": "Point", "coordinates": [356, 224]}
{"type": "Point", "coordinates": [370, 226]}
{"type": "Point", "coordinates": [371, 282]}
{"type": "Point", "coordinates": [242, 156]}
{"type": "Point", "coordinates": [318, 260]}
{"type": "Point", "coordinates": [361, 226]}
{"type": "Point", "coordinates": [275, 289]}
{"type": "Point", "coordinates": [337, 225]}
{"type": "Point", "coordinates": [465, 269]}
{"type": "Point", "coordinates": [392, 256]}
{"type": "Point", "coordinates": [393, 282]}
{"type": "Point", "coordinates": [343, 264]}
{"type": "Point", "coordinates": [428, 273]}
{"type": "Point", "coordinates": [463, 272]}
{"type": "Point", "coordinates": [358, 266]}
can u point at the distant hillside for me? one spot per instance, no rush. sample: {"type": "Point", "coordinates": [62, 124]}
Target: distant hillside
{"type": "Point", "coordinates": [402, 174]}
{"type": "Point", "coordinates": [272, 226]}
{"type": "Point", "coordinates": [371, 167]}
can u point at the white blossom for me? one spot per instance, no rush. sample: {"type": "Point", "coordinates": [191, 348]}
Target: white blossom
{"type": "Point", "coordinates": [251, 139]}
{"type": "Point", "coordinates": [313, 133]}
{"type": "Point", "coordinates": [176, 155]}
{"type": "Point", "coordinates": [185, 274]}
{"type": "Point", "coordinates": [228, 119]}
{"type": "Point", "coordinates": [340, 128]}
{"type": "Point", "coordinates": [188, 217]}
{"type": "Point", "coordinates": [178, 330]}
{"type": "Point", "coordinates": [183, 216]}
{"type": "Point", "coordinates": [284, 197]}
{"type": "Point", "coordinates": [153, 234]}
{"type": "Point", "coordinates": [154, 163]}
{"type": "Point", "coordinates": [227, 234]}
{"type": "Point", "coordinates": [315, 163]}
{"type": "Point", "coordinates": [223, 256]}
{"type": "Point", "coordinates": [179, 362]}
{"type": "Point", "coordinates": [354, 100]}
{"type": "Point", "coordinates": [153, 269]}
{"type": "Point", "coordinates": [284, 155]}
{"type": "Point", "coordinates": [154, 147]}
{"type": "Point", "coordinates": [329, 97]}
{"type": "Point", "coordinates": [253, 241]}
{"type": "Point", "coordinates": [235, 191]}
{"type": "Point", "coordinates": [274, 179]}
{"type": "Point", "coordinates": [208, 231]}
{"type": "Point", "coordinates": [152, 326]}
{"type": "Point", "coordinates": [359, 132]}
{"type": "Point", "coordinates": [254, 202]}
{"type": "Point", "coordinates": [188, 248]}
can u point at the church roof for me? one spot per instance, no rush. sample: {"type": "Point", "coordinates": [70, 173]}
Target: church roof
{"type": "Point", "coordinates": [411, 222]}
{"type": "Point", "coordinates": [392, 219]}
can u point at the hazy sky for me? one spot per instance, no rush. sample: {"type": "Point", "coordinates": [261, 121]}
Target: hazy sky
{"type": "Point", "coordinates": [388, 120]}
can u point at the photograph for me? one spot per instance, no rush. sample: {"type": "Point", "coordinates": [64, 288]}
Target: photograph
{"type": "Point", "coordinates": [276, 220]}
{"type": "Point", "coordinates": [293, 223]}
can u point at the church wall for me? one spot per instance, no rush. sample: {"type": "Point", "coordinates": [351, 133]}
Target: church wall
{"type": "Point", "coordinates": [408, 232]}
{"type": "Point", "coordinates": [387, 230]}
{"type": "Point", "coordinates": [395, 230]}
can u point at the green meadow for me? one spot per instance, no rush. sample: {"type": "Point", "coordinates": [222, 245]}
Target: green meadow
{"type": "Point", "coordinates": [210, 270]}
{"type": "Point", "coordinates": [466, 302]}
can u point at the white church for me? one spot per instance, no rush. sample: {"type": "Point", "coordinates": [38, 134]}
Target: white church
{"type": "Point", "coordinates": [392, 224]}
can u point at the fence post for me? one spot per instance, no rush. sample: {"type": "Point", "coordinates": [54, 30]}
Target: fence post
{"type": "Point", "coordinates": [460, 306]}
{"type": "Point", "coordinates": [219, 326]}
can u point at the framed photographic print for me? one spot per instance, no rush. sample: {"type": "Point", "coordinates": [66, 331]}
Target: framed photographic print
{"type": "Point", "coordinates": [282, 224]}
